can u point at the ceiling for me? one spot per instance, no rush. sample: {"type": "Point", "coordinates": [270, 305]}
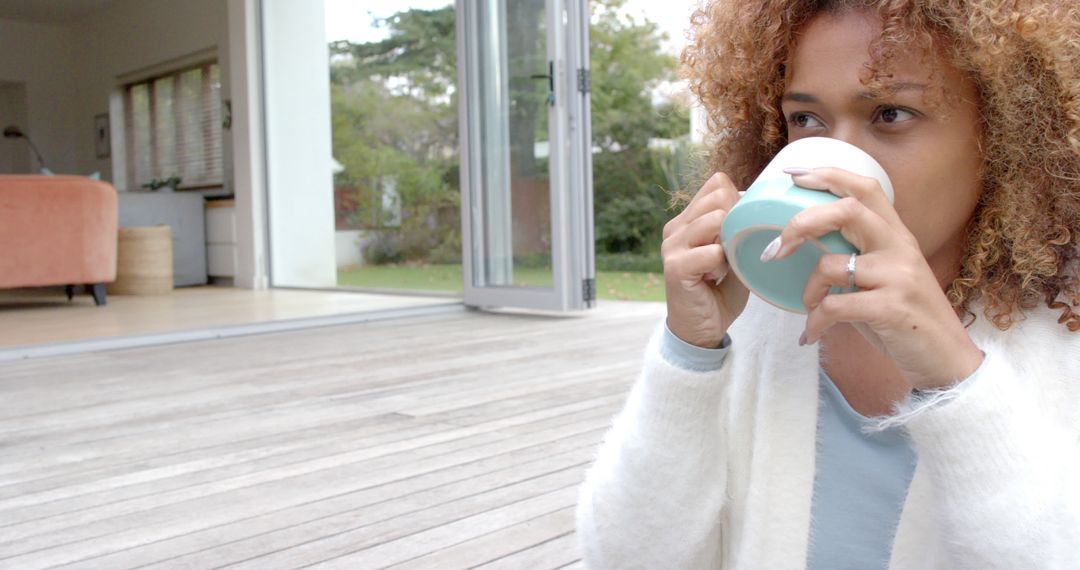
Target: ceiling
{"type": "Point", "coordinates": [49, 11]}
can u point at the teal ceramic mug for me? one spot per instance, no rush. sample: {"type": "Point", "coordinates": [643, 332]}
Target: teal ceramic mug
{"type": "Point", "coordinates": [771, 201]}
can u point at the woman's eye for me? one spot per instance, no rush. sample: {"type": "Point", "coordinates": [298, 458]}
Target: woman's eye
{"type": "Point", "coordinates": [804, 120]}
{"type": "Point", "coordinates": [891, 115]}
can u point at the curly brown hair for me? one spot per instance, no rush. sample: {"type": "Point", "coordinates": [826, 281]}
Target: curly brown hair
{"type": "Point", "coordinates": [1024, 56]}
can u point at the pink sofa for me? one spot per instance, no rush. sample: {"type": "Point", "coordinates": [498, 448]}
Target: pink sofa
{"type": "Point", "coordinates": [57, 230]}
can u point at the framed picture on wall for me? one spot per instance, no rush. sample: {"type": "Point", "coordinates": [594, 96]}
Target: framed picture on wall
{"type": "Point", "coordinates": [101, 135]}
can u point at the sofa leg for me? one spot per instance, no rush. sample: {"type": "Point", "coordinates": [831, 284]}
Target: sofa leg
{"type": "Point", "coordinates": [98, 291]}
{"type": "Point", "coordinates": [70, 290]}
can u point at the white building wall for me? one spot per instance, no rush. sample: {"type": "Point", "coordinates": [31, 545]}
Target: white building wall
{"type": "Point", "coordinates": [296, 85]}
{"type": "Point", "coordinates": [246, 143]}
{"type": "Point", "coordinates": [348, 244]}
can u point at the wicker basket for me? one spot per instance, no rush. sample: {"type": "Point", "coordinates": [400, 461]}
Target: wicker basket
{"type": "Point", "coordinates": [144, 264]}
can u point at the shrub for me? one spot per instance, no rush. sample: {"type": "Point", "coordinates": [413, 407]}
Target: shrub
{"type": "Point", "coordinates": [448, 251]}
{"type": "Point", "coordinates": [649, 262]}
{"type": "Point", "coordinates": [384, 247]}
{"type": "Point", "coordinates": [629, 223]}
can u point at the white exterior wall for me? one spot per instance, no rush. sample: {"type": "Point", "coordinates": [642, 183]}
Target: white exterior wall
{"type": "Point", "coordinates": [246, 144]}
{"type": "Point", "coordinates": [348, 244]}
{"type": "Point", "coordinates": [296, 86]}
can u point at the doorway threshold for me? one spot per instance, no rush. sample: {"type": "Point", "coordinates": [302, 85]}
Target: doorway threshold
{"type": "Point", "coordinates": [218, 332]}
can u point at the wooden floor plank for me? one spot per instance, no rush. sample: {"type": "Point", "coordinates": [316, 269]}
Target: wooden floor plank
{"type": "Point", "coordinates": [407, 528]}
{"type": "Point", "coordinates": [90, 531]}
{"type": "Point", "coordinates": [214, 443]}
{"type": "Point", "coordinates": [169, 512]}
{"type": "Point", "coordinates": [262, 536]}
{"type": "Point", "coordinates": [504, 541]}
{"type": "Point", "coordinates": [414, 546]}
{"type": "Point", "coordinates": [552, 553]}
{"type": "Point", "coordinates": [344, 446]}
{"type": "Point", "coordinates": [115, 423]}
{"type": "Point", "coordinates": [151, 457]}
{"type": "Point", "coordinates": [240, 394]}
{"type": "Point", "coordinates": [397, 427]}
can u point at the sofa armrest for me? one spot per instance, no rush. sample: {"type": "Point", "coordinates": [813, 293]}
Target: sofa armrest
{"type": "Point", "coordinates": [56, 230]}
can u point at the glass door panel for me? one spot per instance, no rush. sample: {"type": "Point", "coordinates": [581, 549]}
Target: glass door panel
{"type": "Point", "coordinates": [520, 199]}
{"type": "Point", "coordinates": [516, 87]}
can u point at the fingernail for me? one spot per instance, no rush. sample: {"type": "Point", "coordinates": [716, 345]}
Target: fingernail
{"type": "Point", "coordinates": [802, 339]}
{"type": "Point", "coordinates": [771, 250]}
{"type": "Point", "coordinates": [797, 171]}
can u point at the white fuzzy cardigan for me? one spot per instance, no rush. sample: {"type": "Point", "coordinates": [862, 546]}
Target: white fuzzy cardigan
{"type": "Point", "coordinates": [716, 469]}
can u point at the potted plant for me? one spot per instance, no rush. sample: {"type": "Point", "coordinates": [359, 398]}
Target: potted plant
{"type": "Point", "coordinates": [170, 184]}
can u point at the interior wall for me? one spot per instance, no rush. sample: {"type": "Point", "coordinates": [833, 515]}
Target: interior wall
{"type": "Point", "coordinates": [41, 57]}
{"type": "Point", "coordinates": [15, 154]}
{"type": "Point", "coordinates": [129, 36]}
{"type": "Point", "coordinates": [70, 70]}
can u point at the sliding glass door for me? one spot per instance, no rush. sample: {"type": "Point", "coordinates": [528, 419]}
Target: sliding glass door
{"type": "Point", "coordinates": [526, 201]}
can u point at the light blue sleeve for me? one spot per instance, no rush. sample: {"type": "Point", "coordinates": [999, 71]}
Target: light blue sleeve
{"type": "Point", "coordinates": [685, 355]}
{"type": "Point", "coordinates": [926, 399]}
{"type": "Point", "coordinates": [920, 401]}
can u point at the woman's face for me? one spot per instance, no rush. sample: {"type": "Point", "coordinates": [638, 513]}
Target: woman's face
{"type": "Point", "coordinates": [931, 153]}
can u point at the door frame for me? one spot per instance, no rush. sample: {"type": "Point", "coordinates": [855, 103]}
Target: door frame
{"type": "Point", "coordinates": [570, 166]}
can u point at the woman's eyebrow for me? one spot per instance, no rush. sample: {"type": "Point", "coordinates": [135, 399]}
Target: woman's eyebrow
{"type": "Point", "coordinates": [891, 89]}
{"type": "Point", "coordinates": [800, 97]}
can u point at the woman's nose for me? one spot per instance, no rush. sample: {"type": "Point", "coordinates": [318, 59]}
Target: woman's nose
{"type": "Point", "coordinates": [847, 133]}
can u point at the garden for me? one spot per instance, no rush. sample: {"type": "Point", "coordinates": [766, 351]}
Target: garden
{"type": "Point", "coordinates": [395, 135]}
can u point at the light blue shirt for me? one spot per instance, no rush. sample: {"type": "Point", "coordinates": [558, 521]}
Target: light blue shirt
{"type": "Point", "coordinates": [860, 483]}
{"type": "Point", "coordinates": [861, 479]}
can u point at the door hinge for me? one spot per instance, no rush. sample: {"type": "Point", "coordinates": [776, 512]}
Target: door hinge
{"type": "Point", "coordinates": [588, 290]}
{"type": "Point", "coordinates": [584, 80]}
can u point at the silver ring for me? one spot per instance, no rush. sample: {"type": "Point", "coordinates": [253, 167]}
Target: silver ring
{"type": "Point", "coordinates": [851, 272]}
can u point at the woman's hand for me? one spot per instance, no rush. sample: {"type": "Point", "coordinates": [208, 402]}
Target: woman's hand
{"type": "Point", "coordinates": [899, 305]}
{"type": "Point", "coordinates": [703, 297]}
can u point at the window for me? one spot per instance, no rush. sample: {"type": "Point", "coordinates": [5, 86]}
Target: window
{"type": "Point", "coordinates": [173, 128]}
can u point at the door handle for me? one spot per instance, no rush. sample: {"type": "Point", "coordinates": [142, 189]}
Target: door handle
{"type": "Point", "coordinates": [550, 76]}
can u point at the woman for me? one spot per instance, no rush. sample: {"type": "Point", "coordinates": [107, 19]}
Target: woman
{"type": "Point", "coordinates": [932, 418]}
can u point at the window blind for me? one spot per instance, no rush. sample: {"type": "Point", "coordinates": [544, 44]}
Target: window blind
{"type": "Point", "coordinates": [173, 125]}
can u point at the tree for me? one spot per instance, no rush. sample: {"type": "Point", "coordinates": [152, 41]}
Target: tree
{"type": "Point", "coordinates": [672, 120]}
{"type": "Point", "coordinates": [627, 64]}
{"type": "Point", "coordinates": [395, 114]}
{"type": "Point", "coordinates": [630, 183]}
{"type": "Point", "coordinates": [422, 49]}
{"type": "Point", "coordinates": [419, 59]}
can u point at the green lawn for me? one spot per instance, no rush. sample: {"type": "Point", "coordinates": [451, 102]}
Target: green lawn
{"type": "Point", "coordinates": [627, 286]}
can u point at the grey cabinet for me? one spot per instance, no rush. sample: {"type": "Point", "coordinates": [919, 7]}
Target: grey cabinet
{"type": "Point", "coordinates": [183, 213]}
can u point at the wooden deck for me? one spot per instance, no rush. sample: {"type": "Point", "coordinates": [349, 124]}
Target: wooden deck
{"type": "Point", "coordinates": [447, 441]}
